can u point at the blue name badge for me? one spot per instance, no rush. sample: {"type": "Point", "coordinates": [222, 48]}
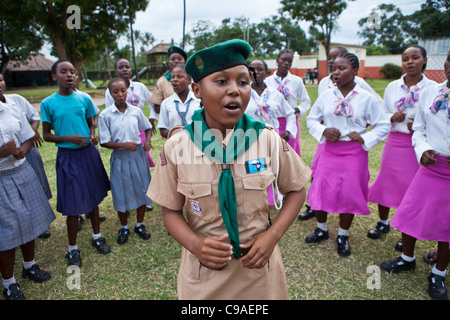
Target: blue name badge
{"type": "Point", "coordinates": [255, 166]}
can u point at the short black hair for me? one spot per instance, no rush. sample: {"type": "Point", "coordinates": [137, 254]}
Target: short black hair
{"type": "Point", "coordinates": [115, 80]}
{"type": "Point", "coordinates": [422, 51]}
{"type": "Point", "coordinates": [352, 58]}
{"type": "Point", "coordinates": [289, 51]}
{"type": "Point", "coordinates": [55, 65]}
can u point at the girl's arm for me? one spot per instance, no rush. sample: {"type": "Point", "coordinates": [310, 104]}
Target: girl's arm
{"type": "Point", "coordinates": [93, 135]}
{"type": "Point", "coordinates": [263, 245]}
{"type": "Point", "coordinates": [24, 148]}
{"type": "Point", "coordinates": [50, 137]}
{"type": "Point", "coordinates": [132, 146]}
{"type": "Point", "coordinates": [8, 148]}
{"type": "Point", "coordinates": [37, 139]}
{"type": "Point", "coordinates": [212, 252]}
{"type": "Point", "coordinates": [148, 140]}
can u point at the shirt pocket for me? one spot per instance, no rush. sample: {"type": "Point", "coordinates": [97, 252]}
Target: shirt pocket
{"type": "Point", "coordinates": [200, 199]}
{"type": "Point", "coordinates": [255, 191]}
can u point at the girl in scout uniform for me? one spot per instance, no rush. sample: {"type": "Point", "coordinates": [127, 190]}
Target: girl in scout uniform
{"type": "Point", "coordinates": [219, 168]}
{"type": "Point", "coordinates": [424, 211]}
{"type": "Point", "coordinates": [25, 212]}
{"type": "Point", "coordinates": [119, 127]}
{"type": "Point", "coordinates": [339, 119]}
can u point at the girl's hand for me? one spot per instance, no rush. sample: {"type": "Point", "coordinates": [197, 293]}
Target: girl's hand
{"type": "Point", "coordinates": [19, 153]}
{"type": "Point", "coordinates": [78, 139]}
{"type": "Point", "coordinates": [398, 117]}
{"type": "Point", "coordinates": [37, 139]}
{"type": "Point", "coordinates": [261, 248]}
{"type": "Point", "coordinates": [285, 135]}
{"type": "Point", "coordinates": [410, 124]}
{"type": "Point", "coordinates": [94, 139]}
{"type": "Point", "coordinates": [428, 159]}
{"type": "Point", "coordinates": [448, 159]}
{"type": "Point", "coordinates": [332, 134]}
{"type": "Point", "coordinates": [215, 252]}
{"type": "Point", "coordinates": [148, 145]}
{"type": "Point", "coordinates": [354, 136]}
{"type": "Point", "coordinates": [9, 148]}
{"type": "Point", "coordinates": [132, 146]}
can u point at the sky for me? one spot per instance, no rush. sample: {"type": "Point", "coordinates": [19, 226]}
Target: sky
{"type": "Point", "coordinates": [164, 18]}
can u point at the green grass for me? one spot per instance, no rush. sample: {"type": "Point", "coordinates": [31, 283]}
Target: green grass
{"type": "Point", "coordinates": [148, 269]}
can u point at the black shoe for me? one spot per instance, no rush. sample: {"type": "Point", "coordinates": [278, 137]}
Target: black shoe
{"type": "Point", "coordinates": [36, 274]}
{"type": "Point", "coordinates": [101, 246]}
{"type": "Point", "coordinates": [123, 236]}
{"type": "Point", "coordinates": [399, 245]}
{"type": "Point", "coordinates": [149, 208]}
{"type": "Point", "coordinates": [45, 235]}
{"type": "Point", "coordinates": [317, 236]}
{"type": "Point", "coordinates": [80, 222]}
{"type": "Point", "coordinates": [343, 246]}
{"type": "Point", "coordinates": [436, 288]}
{"type": "Point", "coordinates": [74, 258]}
{"type": "Point", "coordinates": [308, 214]}
{"type": "Point", "coordinates": [398, 265]}
{"type": "Point", "coordinates": [13, 292]}
{"type": "Point", "coordinates": [142, 232]}
{"type": "Point", "coordinates": [375, 233]}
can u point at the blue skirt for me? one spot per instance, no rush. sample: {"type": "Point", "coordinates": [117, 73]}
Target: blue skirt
{"type": "Point", "coordinates": [130, 178]}
{"type": "Point", "coordinates": [82, 181]}
{"type": "Point", "coordinates": [25, 212]}
{"type": "Point", "coordinates": [35, 161]}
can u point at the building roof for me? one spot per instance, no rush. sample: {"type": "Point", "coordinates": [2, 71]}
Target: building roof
{"type": "Point", "coordinates": [162, 47]}
{"type": "Point", "coordinates": [34, 63]}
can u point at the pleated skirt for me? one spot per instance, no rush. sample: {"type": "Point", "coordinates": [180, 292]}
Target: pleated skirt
{"type": "Point", "coordinates": [82, 181]}
{"type": "Point", "coordinates": [130, 178]}
{"type": "Point", "coordinates": [25, 212]}
{"type": "Point", "coordinates": [398, 168]}
{"type": "Point", "coordinates": [341, 179]}
{"type": "Point", "coordinates": [293, 142]}
{"type": "Point", "coordinates": [35, 161]}
{"type": "Point", "coordinates": [151, 163]}
{"type": "Point", "coordinates": [424, 212]}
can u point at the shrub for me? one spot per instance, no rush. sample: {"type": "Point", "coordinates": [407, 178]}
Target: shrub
{"type": "Point", "coordinates": [391, 71]}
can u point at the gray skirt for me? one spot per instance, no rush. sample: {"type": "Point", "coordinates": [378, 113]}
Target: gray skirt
{"type": "Point", "coordinates": [130, 178]}
{"type": "Point", "coordinates": [35, 161]}
{"type": "Point", "coordinates": [25, 212]}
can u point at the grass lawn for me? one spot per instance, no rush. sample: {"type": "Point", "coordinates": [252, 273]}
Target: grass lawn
{"type": "Point", "coordinates": [148, 269]}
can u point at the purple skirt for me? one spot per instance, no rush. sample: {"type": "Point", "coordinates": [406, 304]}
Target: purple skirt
{"type": "Point", "coordinates": [319, 149]}
{"type": "Point", "coordinates": [341, 179]}
{"type": "Point", "coordinates": [149, 157]}
{"type": "Point", "coordinates": [294, 143]}
{"type": "Point", "coordinates": [82, 182]}
{"type": "Point", "coordinates": [398, 168]}
{"type": "Point", "coordinates": [425, 209]}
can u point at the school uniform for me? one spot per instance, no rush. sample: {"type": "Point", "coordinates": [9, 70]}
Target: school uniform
{"type": "Point", "coordinates": [340, 183]}
{"type": "Point", "coordinates": [137, 95]}
{"type": "Point", "coordinates": [25, 212]}
{"type": "Point", "coordinates": [174, 112]}
{"type": "Point", "coordinates": [82, 182]}
{"type": "Point", "coordinates": [186, 177]}
{"type": "Point", "coordinates": [424, 210]}
{"type": "Point", "coordinates": [293, 89]}
{"type": "Point", "coordinates": [130, 173]}
{"type": "Point", "coordinates": [163, 90]}
{"type": "Point", "coordinates": [398, 164]}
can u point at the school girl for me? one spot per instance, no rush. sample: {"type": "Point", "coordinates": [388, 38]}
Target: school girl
{"type": "Point", "coordinates": [163, 88]}
{"type": "Point", "coordinates": [219, 168]}
{"type": "Point", "coordinates": [293, 89]}
{"type": "Point", "coordinates": [82, 182]}
{"type": "Point", "coordinates": [324, 84]}
{"type": "Point", "coordinates": [424, 211]}
{"type": "Point", "coordinates": [340, 183]}
{"type": "Point", "coordinates": [399, 164]}
{"type": "Point", "coordinates": [177, 110]}
{"type": "Point", "coordinates": [137, 95]}
{"type": "Point", "coordinates": [25, 212]}
{"type": "Point", "coordinates": [119, 126]}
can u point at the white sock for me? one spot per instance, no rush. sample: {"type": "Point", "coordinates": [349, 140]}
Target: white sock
{"type": "Point", "coordinates": [29, 264]}
{"type": "Point", "coordinates": [75, 247]}
{"type": "Point", "coordinates": [95, 236]}
{"type": "Point", "coordinates": [342, 232]}
{"type": "Point", "coordinates": [323, 226]}
{"type": "Point", "coordinates": [8, 282]}
{"type": "Point", "coordinates": [385, 222]}
{"type": "Point", "coordinates": [408, 259]}
{"type": "Point", "coordinates": [438, 272]}
{"type": "Point", "coordinates": [124, 226]}
{"type": "Point", "coordinates": [138, 224]}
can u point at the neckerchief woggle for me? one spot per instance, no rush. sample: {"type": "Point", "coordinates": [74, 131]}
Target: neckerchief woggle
{"type": "Point", "coordinates": [245, 133]}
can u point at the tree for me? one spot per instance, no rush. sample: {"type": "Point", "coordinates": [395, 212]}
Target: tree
{"type": "Point", "coordinates": [322, 14]}
{"type": "Point", "coordinates": [432, 21]}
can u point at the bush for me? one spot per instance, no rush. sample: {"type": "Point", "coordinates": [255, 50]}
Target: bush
{"type": "Point", "coordinates": [391, 71]}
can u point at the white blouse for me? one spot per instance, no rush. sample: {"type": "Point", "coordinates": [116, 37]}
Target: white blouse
{"type": "Point", "coordinates": [394, 92]}
{"type": "Point", "coordinates": [295, 90]}
{"type": "Point", "coordinates": [13, 124]}
{"type": "Point", "coordinates": [431, 131]}
{"type": "Point", "coordinates": [276, 107]}
{"type": "Point", "coordinates": [27, 109]}
{"type": "Point", "coordinates": [366, 111]}
{"type": "Point", "coordinates": [168, 113]}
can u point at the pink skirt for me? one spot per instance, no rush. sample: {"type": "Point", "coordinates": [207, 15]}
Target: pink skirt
{"type": "Point", "coordinates": [316, 158]}
{"type": "Point", "coordinates": [398, 168]}
{"type": "Point", "coordinates": [294, 143]}
{"type": "Point", "coordinates": [341, 179]}
{"type": "Point", "coordinates": [425, 210]}
{"type": "Point", "coordinates": [149, 157]}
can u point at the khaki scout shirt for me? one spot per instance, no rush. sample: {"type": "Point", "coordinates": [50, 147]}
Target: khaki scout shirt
{"type": "Point", "coordinates": [163, 90]}
{"type": "Point", "coordinates": [186, 177]}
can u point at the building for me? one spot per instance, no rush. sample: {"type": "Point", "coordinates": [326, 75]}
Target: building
{"type": "Point", "coordinates": [157, 60]}
{"type": "Point", "coordinates": [34, 72]}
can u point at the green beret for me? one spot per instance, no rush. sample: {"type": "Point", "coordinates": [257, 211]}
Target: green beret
{"type": "Point", "coordinates": [219, 57]}
{"type": "Point", "coordinates": [175, 49]}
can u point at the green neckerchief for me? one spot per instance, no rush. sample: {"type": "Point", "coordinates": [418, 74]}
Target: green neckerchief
{"type": "Point", "coordinates": [245, 133]}
{"type": "Point", "coordinates": [169, 76]}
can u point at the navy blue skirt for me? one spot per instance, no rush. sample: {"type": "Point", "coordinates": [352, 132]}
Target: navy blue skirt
{"type": "Point", "coordinates": [82, 181]}
{"type": "Point", "coordinates": [35, 161]}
